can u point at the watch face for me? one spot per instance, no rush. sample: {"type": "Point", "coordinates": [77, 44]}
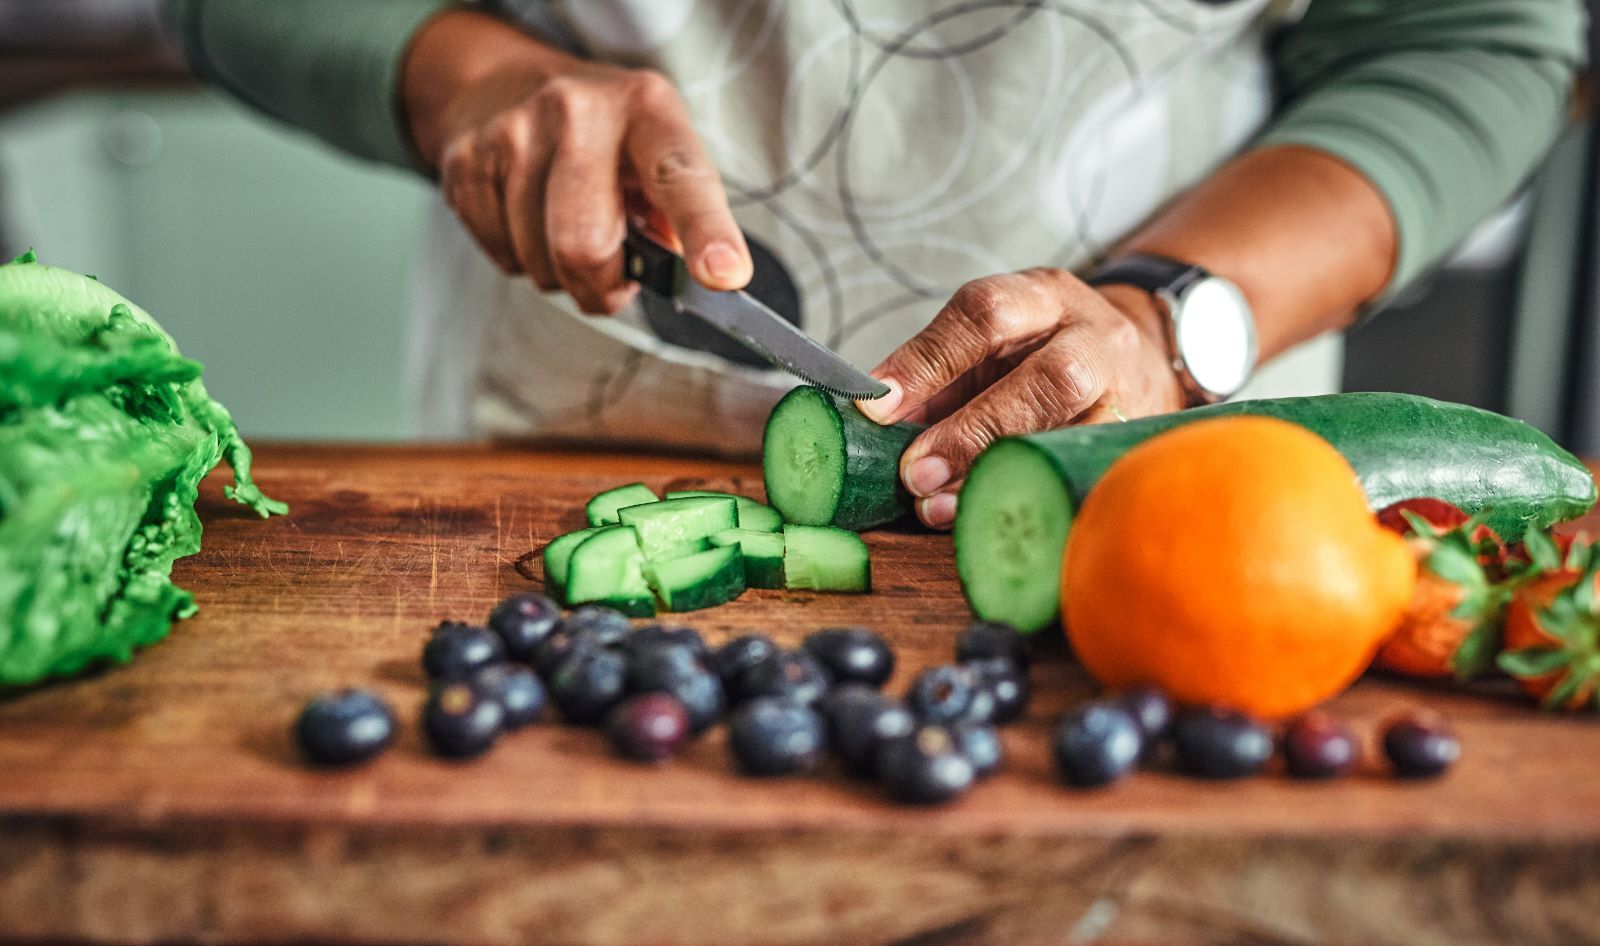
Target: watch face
{"type": "Point", "coordinates": [1216, 335]}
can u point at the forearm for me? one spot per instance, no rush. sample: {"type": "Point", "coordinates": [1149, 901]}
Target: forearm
{"type": "Point", "coordinates": [1307, 238]}
{"type": "Point", "coordinates": [329, 68]}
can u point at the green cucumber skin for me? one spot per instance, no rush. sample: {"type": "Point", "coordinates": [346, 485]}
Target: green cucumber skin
{"type": "Point", "coordinates": [872, 494]}
{"type": "Point", "coordinates": [1402, 446]}
{"type": "Point", "coordinates": [726, 584]}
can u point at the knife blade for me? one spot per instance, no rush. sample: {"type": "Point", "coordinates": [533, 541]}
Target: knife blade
{"type": "Point", "coordinates": [745, 319]}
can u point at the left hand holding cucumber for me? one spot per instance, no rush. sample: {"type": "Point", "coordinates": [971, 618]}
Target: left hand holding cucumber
{"type": "Point", "coordinates": [1019, 353]}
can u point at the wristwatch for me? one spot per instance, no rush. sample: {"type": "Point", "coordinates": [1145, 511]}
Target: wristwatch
{"type": "Point", "coordinates": [1211, 332]}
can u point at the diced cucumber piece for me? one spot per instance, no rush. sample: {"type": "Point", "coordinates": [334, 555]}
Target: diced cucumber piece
{"type": "Point", "coordinates": [608, 568]}
{"type": "Point", "coordinates": [557, 553]}
{"type": "Point", "coordinates": [672, 523]}
{"type": "Point", "coordinates": [1010, 533]}
{"type": "Point", "coordinates": [826, 464]}
{"type": "Point", "coordinates": [763, 555]}
{"type": "Point", "coordinates": [752, 515]}
{"type": "Point", "coordinates": [602, 509]}
{"type": "Point", "coordinates": [822, 558]}
{"type": "Point", "coordinates": [703, 580]}
{"type": "Point", "coordinates": [684, 550]}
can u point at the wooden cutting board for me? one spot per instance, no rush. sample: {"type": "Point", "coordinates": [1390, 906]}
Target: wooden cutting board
{"type": "Point", "coordinates": [163, 801]}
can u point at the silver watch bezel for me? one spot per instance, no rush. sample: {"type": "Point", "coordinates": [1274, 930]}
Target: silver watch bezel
{"type": "Point", "coordinates": [1175, 302]}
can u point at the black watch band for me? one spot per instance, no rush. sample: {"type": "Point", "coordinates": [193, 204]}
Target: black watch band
{"type": "Point", "coordinates": [1148, 272]}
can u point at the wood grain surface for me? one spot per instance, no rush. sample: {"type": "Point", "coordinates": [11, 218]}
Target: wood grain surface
{"type": "Point", "coordinates": [164, 802]}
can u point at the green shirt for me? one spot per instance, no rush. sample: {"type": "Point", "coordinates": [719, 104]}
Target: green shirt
{"type": "Point", "coordinates": [1445, 105]}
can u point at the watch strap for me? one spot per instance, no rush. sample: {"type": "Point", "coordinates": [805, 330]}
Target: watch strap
{"type": "Point", "coordinates": [1148, 272]}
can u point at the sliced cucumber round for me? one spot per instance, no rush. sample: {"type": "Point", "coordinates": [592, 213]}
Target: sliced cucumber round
{"type": "Point", "coordinates": [703, 580]}
{"type": "Point", "coordinates": [826, 464]}
{"type": "Point", "coordinates": [1010, 534]}
{"type": "Point", "coordinates": [608, 568]}
{"type": "Point", "coordinates": [558, 553]}
{"type": "Point", "coordinates": [822, 558]}
{"type": "Point", "coordinates": [602, 509]}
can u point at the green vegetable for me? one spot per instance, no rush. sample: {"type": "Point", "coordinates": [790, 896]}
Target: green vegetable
{"type": "Point", "coordinates": [1015, 508]}
{"type": "Point", "coordinates": [702, 580]}
{"type": "Point", "coordinates": [668, 528]}
{"type": "Point", "coordinates": [105, 434]}
{"type": "Point", "coordinates": [822, 558]}
{"type": "Point", "coordinates": [827, 465]}
{"type": "Point", "coordinates": [752, 515]}
{"type": "Point", "coordinates": [558, 554]}
{"type": "Point", "coordinates": [762, 552]}
{"type": "Point", "coordinates": [607, 568]}
{"type": "Point", "coordinates": [602, 509]}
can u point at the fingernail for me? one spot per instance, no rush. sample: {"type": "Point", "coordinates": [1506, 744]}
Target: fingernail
{"type": "Point", "coordinates": [939, 511]}
{"type": "Point", "coordinates": [722, 261]}
{"type": "Point", "coordinates": [883, 408]}
{"type": "Point", "coordinates": [925, 475]}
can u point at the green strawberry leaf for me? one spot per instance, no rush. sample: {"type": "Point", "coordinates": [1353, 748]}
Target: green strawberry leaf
{"type": "Point", "coordinates": [1542, 550]}
{"type": "Point", "coordinates": [1564, 691]}
{"type": "Point", "coordinates": [1450, 561]}
{"type": "Point", "coordinates": [1533, 661]}
{"type": "Point", "coordinates": [1475, 656]}
{"type": "Point", "coordinates": [1419, 525]}
{"type": "Point", "coordinates": [1580, 556]}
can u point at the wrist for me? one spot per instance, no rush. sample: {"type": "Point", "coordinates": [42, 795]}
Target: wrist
{"type": "Point", "coordinates": [455, 58]}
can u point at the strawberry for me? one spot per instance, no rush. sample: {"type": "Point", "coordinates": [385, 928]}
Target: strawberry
{"type": "Point", "coordinates": [1442, 516]}
{"type": "Point", "coordinates": [1452, 625]}
{"type": "Point", "coordinates": [1552, 635]}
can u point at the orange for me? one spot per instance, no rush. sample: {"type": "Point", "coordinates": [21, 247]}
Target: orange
{"type": "Point", "coordinates": [1232, 561]}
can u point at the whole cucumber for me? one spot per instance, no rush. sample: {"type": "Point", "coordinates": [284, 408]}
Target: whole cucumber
{"type": "Point", "coordinates": [1010, 531]}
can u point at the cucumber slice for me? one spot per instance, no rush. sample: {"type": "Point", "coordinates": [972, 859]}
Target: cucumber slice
{"type": "Point", "coordinates": [826, 464]}
{"type": "Point", "coordinates": [822, 558]}
{"type": "Point", "coordinates": [763, 555]}
{"type": "Point", "coordinates": [703, 580]}
{"type": "Point", "coordinates": [607, 568]}
{"type": "Point", "coordinates": [752, 515]}
{"type": "Point", "coordinates": [668, 525]}
{"type": "Point", "coordinates": [602, 509]}
{"type": "Point", "coordinates": [1015, 512]}
{"type": "Point", "coordinates": [684, 550]}
{"type": "Point", "coordinates": [557, 553]}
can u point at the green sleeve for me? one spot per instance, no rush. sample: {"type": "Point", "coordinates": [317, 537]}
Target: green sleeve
{"type": "Point", "coordinates": [328, 66]}
{"type": "Point", "coordinates": [1444, 105]}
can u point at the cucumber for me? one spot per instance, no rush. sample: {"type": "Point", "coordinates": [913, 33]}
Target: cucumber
{"type": "Point", "coordinates": [827, 465]}
{"type": "Point", "coordinates": [703, 580]}
{"type": "Point", "coordinates": [558, 553]}
{"type": "Point", "coordinates": [1015, 508]}
{"type": "Point", "coordinates": [752, 515]}
{"type": "Point", "coordinates": [602, 509]}
{"type": "Point", "coordinates": [762, 552]}
{"type": "Point", "coordinates": [702, 544]}
{"type": "Point", "coordinates": [823, 558]}
{"type": "Point", "coordinates": [607, 568]}
{"type": "Point", "coordinates": [666, 527]}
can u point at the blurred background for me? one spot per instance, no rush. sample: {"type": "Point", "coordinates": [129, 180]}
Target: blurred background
{"type": "Point", "coordinates": [113, 162]}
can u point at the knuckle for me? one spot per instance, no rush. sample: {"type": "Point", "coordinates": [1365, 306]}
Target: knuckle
{"type": "Point", "coordinates": [676, 167]}
{"type": "Point", "coordinates": [651, 89]}
{"type": "Point", "coordinates": [584, 249]}
{"type": "Point", "coordinates": [1067, 381]}
{"type": "Point", "coordinates": [561, 102]}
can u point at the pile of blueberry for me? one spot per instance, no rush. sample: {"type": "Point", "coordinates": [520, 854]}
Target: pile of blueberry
{"type": "Point", "coordinates": [1104, 740]}
{"type": "Point", "coordinates": [655, 688]}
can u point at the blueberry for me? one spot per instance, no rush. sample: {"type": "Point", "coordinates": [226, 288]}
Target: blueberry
{"type": "Point", "coordinates": [1097, 744]}
{"type": "Point", "coordinates": [1420, 747]}
{"type": "Point", "coordinates": [562, 645]}
{"type": "Point", "coordinates": [790, 675]}
{"type": "Point", "coordinates": [648, 728]}
{"type": "Point", "coordinates": [673, 669]}
{"type": "Point", "coordinates": [774, 736]}
{"type": "Point", "coordinates": [461, 722]}
{"type": "Point", "coordinates": [651, 635]}
{"type": "Point", "coordinates": [1151, 709]}
{"type": "Point", "coordinates": [852, 654]}
{"type": "Point", "coordinates": [518, 691]}
{"type": "Point", "coordinates": [344, 728]}
{"type": "Point", "coordinates": [981, 745]}
{"type": "Point", "coordinates": [860, 720]}
{"type": "Point", "coordinates": [457, 651]}
{"type": "Point", "coordinates": [945, 694]}
{"type": "Point", "coordinates": [925, 766]}
{"type": "Point", "coordinates": [522, 621]}
{"type": "Point", "coordinates": [588, 685]}
{"type": "Point", "coordinates": [1216, 742]}
{"type": "Point", "coordinates": [1318, 745]}
{"type": "Point", "coordinates": [732, 659]}
{"type": "Point", "coordinates": [1006, 686]}
{"type": "Point", "coordinates": [609, 625]}
{"type": "Point", "coordinates": [991, 640]}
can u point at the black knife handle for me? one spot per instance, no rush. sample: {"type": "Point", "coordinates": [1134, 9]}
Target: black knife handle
{"type": "Point", "coordinates": [652, 265]}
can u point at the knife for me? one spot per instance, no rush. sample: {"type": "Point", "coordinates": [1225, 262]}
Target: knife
{"type": "Point", "coordinates": [745, 319]}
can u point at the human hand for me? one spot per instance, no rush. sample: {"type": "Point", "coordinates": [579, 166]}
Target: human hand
{"type": "Point", "coordinates": [1018, 353]}
{"type": "Point", "coordinates": [536, 151]}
